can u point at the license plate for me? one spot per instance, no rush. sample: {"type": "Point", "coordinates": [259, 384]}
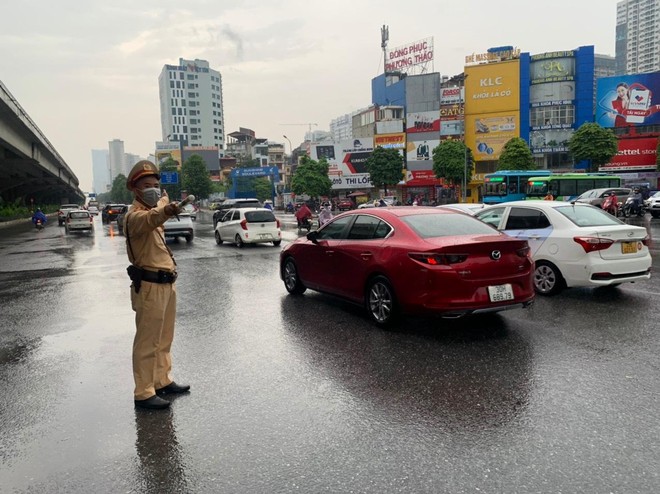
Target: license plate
{"type": "Point", "coordinates": [629, 247]}
{"type": "Point", "coordinates": [264, 235]}
{"type": "Point", "coordinates": [500, 293]}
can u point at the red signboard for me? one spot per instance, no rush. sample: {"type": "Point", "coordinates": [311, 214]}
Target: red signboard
{"type": "Point", "coordinates": [634, 153]}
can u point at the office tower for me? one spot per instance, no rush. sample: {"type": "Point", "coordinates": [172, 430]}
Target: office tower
{"type": "Point", "coordinates": [191, 110]}
{"type": "Point", "coordinates": [100, 171]}
{"type": "Point", "coordinates": [116, 158]}
{"type": "Point", "coordinates": [637, 36]}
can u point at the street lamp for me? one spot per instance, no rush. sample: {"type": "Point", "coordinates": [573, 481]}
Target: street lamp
{"type": "Point", "coordinates": [290, 149]}
{"type": "Point", "coordinates": [465, 155]}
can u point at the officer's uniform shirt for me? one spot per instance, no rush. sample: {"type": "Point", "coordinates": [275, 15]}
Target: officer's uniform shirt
{"type": "Point", "coordinates": [144, 228]}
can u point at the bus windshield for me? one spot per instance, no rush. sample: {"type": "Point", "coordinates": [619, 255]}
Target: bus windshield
{"type": "Point", "coordinates": [508, 185]}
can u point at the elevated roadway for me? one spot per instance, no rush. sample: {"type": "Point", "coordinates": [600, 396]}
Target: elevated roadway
{"type": "Point", "coordinates": [30, 167]}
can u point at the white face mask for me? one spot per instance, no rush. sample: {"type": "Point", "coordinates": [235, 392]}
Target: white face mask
{"type": "Point", "coordinates": [151, 196]}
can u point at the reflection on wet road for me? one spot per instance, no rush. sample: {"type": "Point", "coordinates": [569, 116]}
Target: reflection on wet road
{"type": "Point", "coordinates": [304, 394]}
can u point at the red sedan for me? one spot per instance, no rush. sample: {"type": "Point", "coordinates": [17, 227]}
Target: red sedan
{"type": "Point", "coordinates": [411, 260]}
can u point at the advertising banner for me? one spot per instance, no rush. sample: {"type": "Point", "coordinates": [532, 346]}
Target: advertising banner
{"type": "Point", "coordinates": [426, 121]}
{"type": "Point", "coordinates": [635, 153]}
{"type": "Point", "coordinates": [421, 150]}
{"type": "Point", "coordinates": [628, 100]}
{"type": "Point", "coordinates": [346, 161]}
{"type": "Point", "coordinates": [407, 56]}
{"type": "Point", "coordinates": [390, 141]}
{"type": "Point", "coordinates": [492, 87]}
{"type": "Point", "coordinates": [452, 95]}
{"type": "Point", "coordinates": [487, 135]}
{"type": "Point", "coordinates": [552, 70]}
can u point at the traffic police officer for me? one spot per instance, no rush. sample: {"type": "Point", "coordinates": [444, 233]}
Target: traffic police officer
{"type": "Point", "coordinates": [153, 291]}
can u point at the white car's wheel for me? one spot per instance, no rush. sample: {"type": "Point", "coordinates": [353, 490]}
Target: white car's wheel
{"type": "Point", "coordinates": [238, 241]}
{"type": "Point", "coordinates": [218, 239]}
{"type": "Point", "coordinates": [547, 278]}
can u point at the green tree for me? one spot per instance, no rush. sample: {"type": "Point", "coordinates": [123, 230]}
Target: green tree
{"type": "Point", "coordinates": [594, 143]}
{"type": "Point", "coordinates": [311, 178]}
{"type": "Point", "coordinates": [263, 188]}
{"type": "Point", "coordinates": [516, 156]}
{"type": "Point", "coordinates": [173, 190]}
{"type": "Point", "coordinates": [119, 193]}
{"type": "Point", "coordinates": [384, 166]}
{"type": "Point", "coordinates": [452, 161]}
{"type": "Point", "coordinates": [195, 177]}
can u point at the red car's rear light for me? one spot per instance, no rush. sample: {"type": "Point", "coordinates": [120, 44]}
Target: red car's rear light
{"type": "Point", "coordinates": [593, 244]}
{"type": "Point", "coordinates": [524, 252]}
{"type": "Point", "coordinates": [244, 224]}
{"type": "Point", "coordinates": [437, 259]}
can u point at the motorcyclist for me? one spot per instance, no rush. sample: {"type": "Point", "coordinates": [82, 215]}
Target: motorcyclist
{"type": "Point", "coordinates": [39, 215]}
{"type": "Point", "coordinates": [325, 215]}
{"type": "Point", "coordinates": [610, 203]}
{"type": "Point", "coordinates": [637, 200]}
{"type": "Point", "coordinates": [303, 214]}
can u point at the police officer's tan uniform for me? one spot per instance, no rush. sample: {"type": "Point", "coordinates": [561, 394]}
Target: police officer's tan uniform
{"type": "Point", "coordinates": [155, 301]}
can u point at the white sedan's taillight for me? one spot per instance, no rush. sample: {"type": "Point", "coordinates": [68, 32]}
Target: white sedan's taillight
{"type": "Point", "coordinates": [593, 244]}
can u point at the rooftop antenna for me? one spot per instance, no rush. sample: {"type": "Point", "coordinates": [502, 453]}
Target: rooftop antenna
{"type": "Point", "coordinates": [384, 38]}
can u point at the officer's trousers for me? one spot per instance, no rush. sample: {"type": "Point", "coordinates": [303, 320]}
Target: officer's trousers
{"type": "Point", "coordinates": [155, 312]}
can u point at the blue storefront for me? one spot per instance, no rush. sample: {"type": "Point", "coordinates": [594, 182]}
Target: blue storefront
{"type": "Point", "coordinates": [560, 98]}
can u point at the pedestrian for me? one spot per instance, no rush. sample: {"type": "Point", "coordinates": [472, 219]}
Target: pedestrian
{"type": "Point", "coordinates": [549, 197]}
{"type": "Point", "coordinates": [153, 291]}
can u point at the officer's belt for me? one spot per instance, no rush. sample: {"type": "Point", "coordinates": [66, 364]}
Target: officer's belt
{"type": "Point", "coordinates": [158, 276]}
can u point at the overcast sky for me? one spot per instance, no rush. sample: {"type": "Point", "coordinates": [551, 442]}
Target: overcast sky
{"type": "Point", "coordinates": [86, 71]}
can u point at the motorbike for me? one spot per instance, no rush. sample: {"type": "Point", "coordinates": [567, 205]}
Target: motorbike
{"type": "Point", "coordinates": [39, 224]}
{"type": "Point", "coordinates": [290, 208]}
{"type": "Point", "coordinates": [305, 223]}
{"type": "Point", "coordinates": [631, 208]}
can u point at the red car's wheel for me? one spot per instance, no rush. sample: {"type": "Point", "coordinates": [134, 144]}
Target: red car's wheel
{"type": "Point", "coordinates": [380, 301]}
{"type": "Point", "coordinates": [292, 282]}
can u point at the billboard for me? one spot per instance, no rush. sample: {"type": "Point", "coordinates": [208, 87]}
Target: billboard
{"type": "Point", "coordinates": [634, 154]}
{"type": "Point", "coordinates": [627, 100]}
{"type": "Point", "coordinates": [407, 56]}
{"type": "Point", "coordinates": [425, 121]}
{"type": "Point", "coordinates": [451, 119]}
{"type": "Point", "coordinates": [492, 87]}
{"type": "Point", "coordinates": [390, 141]}
{"type": "Point", "coordinates": [552, 67]}
{"type": "Point", "coordinates": [167, 150]}
{"type": "Point", "coordinates": [421, 150]}
{"type": "Point", "coordinates": [346, 161]}
{"type": "Point", "coordinates": [486, 135]}
{"type": "Point", "coordinates": [451, 95]}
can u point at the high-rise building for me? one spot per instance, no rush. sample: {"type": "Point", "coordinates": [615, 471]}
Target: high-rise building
{"type": "Point", "coordinates": [116, 158]}
{"type": "Point", "coordinates": [637, 36]}
{"type": "Point", "coordinates": [100, 171]}
{"type": "Point", "coordinates": [191, 109]}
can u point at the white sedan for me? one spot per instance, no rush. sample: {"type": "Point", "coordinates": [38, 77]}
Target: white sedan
{"type": "Point", "coordinates": [574, 244]}
{"type": "Point", "coordinates": [248, 226]}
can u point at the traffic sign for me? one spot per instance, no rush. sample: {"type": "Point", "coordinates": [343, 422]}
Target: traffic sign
{"type": "Point", "coordinates": [169, 177]}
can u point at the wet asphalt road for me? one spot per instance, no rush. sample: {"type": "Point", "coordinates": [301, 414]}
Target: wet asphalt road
{"type": "Point", "coordinates": [304, 394]}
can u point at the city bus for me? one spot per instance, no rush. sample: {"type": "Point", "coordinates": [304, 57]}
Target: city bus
{"type": "Point", "coordinates": [508, 185]}
{"type": "Point", "coordinates": [567, 186]}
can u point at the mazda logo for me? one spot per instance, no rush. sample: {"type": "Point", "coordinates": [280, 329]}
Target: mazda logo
{"type": "Point", "coordinates": [495, 255]}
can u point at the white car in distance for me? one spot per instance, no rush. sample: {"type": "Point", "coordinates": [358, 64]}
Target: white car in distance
{"type": "Point", "coordinates": [179, 226]}
{"type": "Point", "coordinates": [80, 221]}
{"type": "Point", "coordinates": [248, 226]}
{"type": "Point", "coordinates": [574, 244]}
